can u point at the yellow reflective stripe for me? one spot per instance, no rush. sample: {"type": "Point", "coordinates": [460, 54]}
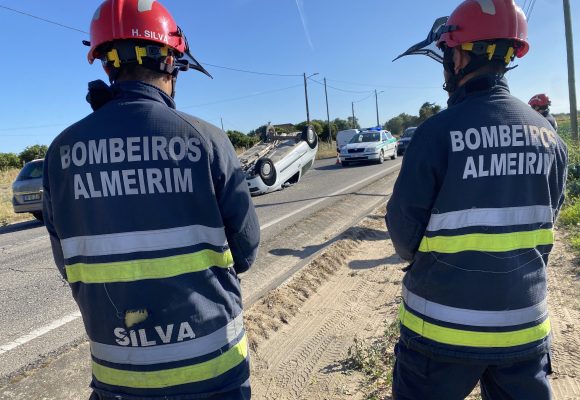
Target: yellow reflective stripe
{"type": "Point", "coordinates": [157, 268]}
{"type": "Point", "coordinates": [176, 376]}
{"type": "Point", "coordinates": [458, 337]}
{"type": "Point", "coordinates": [487, 242]}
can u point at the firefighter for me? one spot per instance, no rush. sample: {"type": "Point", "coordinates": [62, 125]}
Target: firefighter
{"type": "Point", "coordinates": [150, 221]}
{"type": "Point", "coordinates": [473, 211]}
{"type": "Point", "coordinates": [541, 103]}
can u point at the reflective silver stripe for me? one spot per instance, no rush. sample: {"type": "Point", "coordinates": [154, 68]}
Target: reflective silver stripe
{"type": "Point", "coordinates": [474, 317]}
{"type": "Point", "coordinates": [170, 352]}
{"type": "Point", "coordinates": [130, 242]}
{"type": "Point", "coordinates": [491, 217]}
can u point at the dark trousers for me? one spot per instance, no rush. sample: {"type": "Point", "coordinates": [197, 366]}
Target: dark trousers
{"type": "Point", "coordinates": [244, 392]}
{"type": "Point", "coordinates": [418, 377]}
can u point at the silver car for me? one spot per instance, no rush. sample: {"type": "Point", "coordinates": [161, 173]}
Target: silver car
{"type": "Point", "coordinates": [27, 189]}
{"type": "Point", "coordinates": [279, 160]}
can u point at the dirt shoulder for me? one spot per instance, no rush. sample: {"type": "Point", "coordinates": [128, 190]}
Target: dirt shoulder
{"type": "Point", "coordinates": [301, 332]}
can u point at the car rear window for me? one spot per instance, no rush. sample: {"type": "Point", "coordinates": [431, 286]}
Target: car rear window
{"type": "Point", "coordinates": [32, 170]}
{"type": "Point", "coordinates": [409, 132]}
{"type": "Point", "coordinates": [366, 137]}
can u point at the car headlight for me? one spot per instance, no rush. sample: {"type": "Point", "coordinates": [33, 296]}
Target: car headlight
{"type": "Point", "coordinates": [371, 150]}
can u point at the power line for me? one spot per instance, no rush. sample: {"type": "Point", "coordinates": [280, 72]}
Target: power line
{"type": "Point", "coordinates": [339, 89]}
{"type": "Point", "coordinates": [44, 19]}
{"type": "Point", "coordinates": [384, 86]}
{"type": "Point", "coordinates": [524, 6]}
{"type": "Point", "coordinates": [365, 98]}
{"type": "Point", "coordinates": [243, 97]}
{"type": "Point", "coordinates": [252, 72]}
{"type": "Point", "coordinates": [23, 128]}
{"type": "Point", "coordinates": [532, 5]}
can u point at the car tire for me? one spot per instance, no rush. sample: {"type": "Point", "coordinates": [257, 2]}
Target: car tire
{"type": "Point", "coordinates": [309, 136]}
{"type": "Point", "coordinates": [266, 170]}
{"type": "Point", "coordinates": [345, 164]}
{"type": "Point", "coordinates": [395, 153]}
{"type": "Point", "coordinates": [38, 215]}
{"type": "Point", "coordinates": [381, 157]}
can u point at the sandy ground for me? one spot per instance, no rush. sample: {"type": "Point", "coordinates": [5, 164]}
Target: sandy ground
{"type": "Point", "coordinates": [301, 332]}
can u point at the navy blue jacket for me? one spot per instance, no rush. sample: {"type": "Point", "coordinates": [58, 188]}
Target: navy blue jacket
{"type": "Point", "coordinates": [150, 218]}
{"type": "Point", "coordinates": [472, 211]}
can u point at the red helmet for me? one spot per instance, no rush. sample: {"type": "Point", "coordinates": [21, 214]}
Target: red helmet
{"type": "Point", "coordinates": [134, 19]}
{"type": "Point", "coordinates": [482, 20]}
{"type": "Point", "coordinates": [540, 101]}
{"type": "Point", "coordinates": [143, 20]}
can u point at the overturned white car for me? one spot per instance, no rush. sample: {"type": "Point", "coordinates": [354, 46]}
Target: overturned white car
{"type": "Point", "coordinates": [279, 160]}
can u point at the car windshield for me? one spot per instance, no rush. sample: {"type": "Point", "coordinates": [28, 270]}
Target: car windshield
{"type": "Point", "coordinates": [366, 137]}
{"type": "Point", "coordinates": [32, 170]}
{"type": "Point", "coordinates": [409, 132]}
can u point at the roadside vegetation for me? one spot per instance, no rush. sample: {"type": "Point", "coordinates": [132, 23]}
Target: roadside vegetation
{"type": "Point", "coordinates": [10, 165]}
{"type": "Point", "coordinates": [375, 360]}
{"type": "Point", "coordinates": [7, 214]}
{"type": "Point", "coordinates": [570, 214]}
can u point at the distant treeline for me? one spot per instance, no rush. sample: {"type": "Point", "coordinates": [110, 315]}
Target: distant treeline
{"type": "Point", "coordinates": [396, 125]}
{"type": "Point", "coordinates": [13, 160]}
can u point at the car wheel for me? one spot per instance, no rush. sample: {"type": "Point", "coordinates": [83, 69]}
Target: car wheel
{"type": "Point", "coordinates": [394, 156]}
{"type": "Point", "coordinates": [266, 170]}
{"type": "Point", "coordinates": [38, 215]}
{"type": "Point", "coordinates": [345, 164]}
{"type": "Point", "coordinates": [381, 157]}
{"type": "Point", "coordinates": [309, 136]}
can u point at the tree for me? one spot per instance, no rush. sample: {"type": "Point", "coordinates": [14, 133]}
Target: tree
{"type": "Point", "coordinates": [239, 139]}
{"type": "Point", "coordinates": [356, 125]}
{"type": "Point", "coordinates": [428, 110]}
{"type": "Point", "coordinates": [401, 122]}
{"type": "Point", "coordinates": [9, 160]}
{"type": "Point", "coordinates": [33, 152]}
{"type": "Point", "coordinates": [317, 124]}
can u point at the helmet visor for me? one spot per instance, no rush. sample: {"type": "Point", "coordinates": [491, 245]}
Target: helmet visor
{"type": "Point", "coordinates": [187, 60]}
{"type": "Point", "coordinates": [428, 47]}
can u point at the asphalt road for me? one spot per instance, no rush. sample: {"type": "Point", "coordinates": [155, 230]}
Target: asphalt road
{"type": "Point", "coordinates": [39, 319]}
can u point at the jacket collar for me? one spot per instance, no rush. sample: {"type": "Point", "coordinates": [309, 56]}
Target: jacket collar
{"type": "Point", "coordinates": [141, 90]}
{"type": "Point", "coordinates": [477, 85]}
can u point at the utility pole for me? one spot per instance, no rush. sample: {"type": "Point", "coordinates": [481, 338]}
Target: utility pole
{"type": "Point", "coordinates": [353, 119]}
{"type": "Point", "coordinates": [222, 121]}
{"type": "Point", "coordinates": [377, 104]}
{"type": "Point", "coordinates": [306, 96]}
{"type": "Point", "coordinates": [571, 76]}
{"type": "Point", "coordinates": [327, 113]}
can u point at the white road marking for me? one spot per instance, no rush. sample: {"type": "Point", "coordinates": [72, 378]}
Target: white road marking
{"type": "Point", "coordinates": [39, 332]}
{"type": "Point", "coordinates": [274, 222]}
{"type": "Point", "coordinates": [69, 318]}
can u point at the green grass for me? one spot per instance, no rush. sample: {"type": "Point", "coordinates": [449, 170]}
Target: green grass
{"type": "Point", "coordinates": [375, 359]}
{"type": "Point", "coordinates": [570, 214]}
{"type": "Point", "coordinates": [7, 215]}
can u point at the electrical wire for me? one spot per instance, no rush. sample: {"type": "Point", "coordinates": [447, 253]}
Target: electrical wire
{"type": "Point", "coordinates": [339, 89]}
{"type": "Point", "coordinates": [524, 7]}
{"type": "Point", "coordinates": [533, 4]}
{"type": "Point", "coordinates": [384, 86]}
{"type": "Point", "coordinates": [243, 97]}
{"type": "Point", "coordinates": [365, 98]}
{"type": "Point", "coordinates": [43, 19]}
{"type": "Point", "coordinates": [251, 72]}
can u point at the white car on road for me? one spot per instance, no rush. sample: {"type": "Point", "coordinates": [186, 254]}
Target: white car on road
{"type": "Point", "coordinates": [369, 145]}
{"type": "Point", "coordinates": [279, 160]}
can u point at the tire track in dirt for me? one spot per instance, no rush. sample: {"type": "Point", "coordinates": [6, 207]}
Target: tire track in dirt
{"type": "Point", "coordinates": [303, 359]}
{"type": "Point", "coordinates": [565, 317]}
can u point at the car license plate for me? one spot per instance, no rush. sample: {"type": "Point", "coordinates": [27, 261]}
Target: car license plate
{"type": "Point", "coordinates": [31, 197]}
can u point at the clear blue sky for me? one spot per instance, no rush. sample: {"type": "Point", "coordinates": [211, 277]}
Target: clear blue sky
{"type": "Point", "coordinates": [352, 43]}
